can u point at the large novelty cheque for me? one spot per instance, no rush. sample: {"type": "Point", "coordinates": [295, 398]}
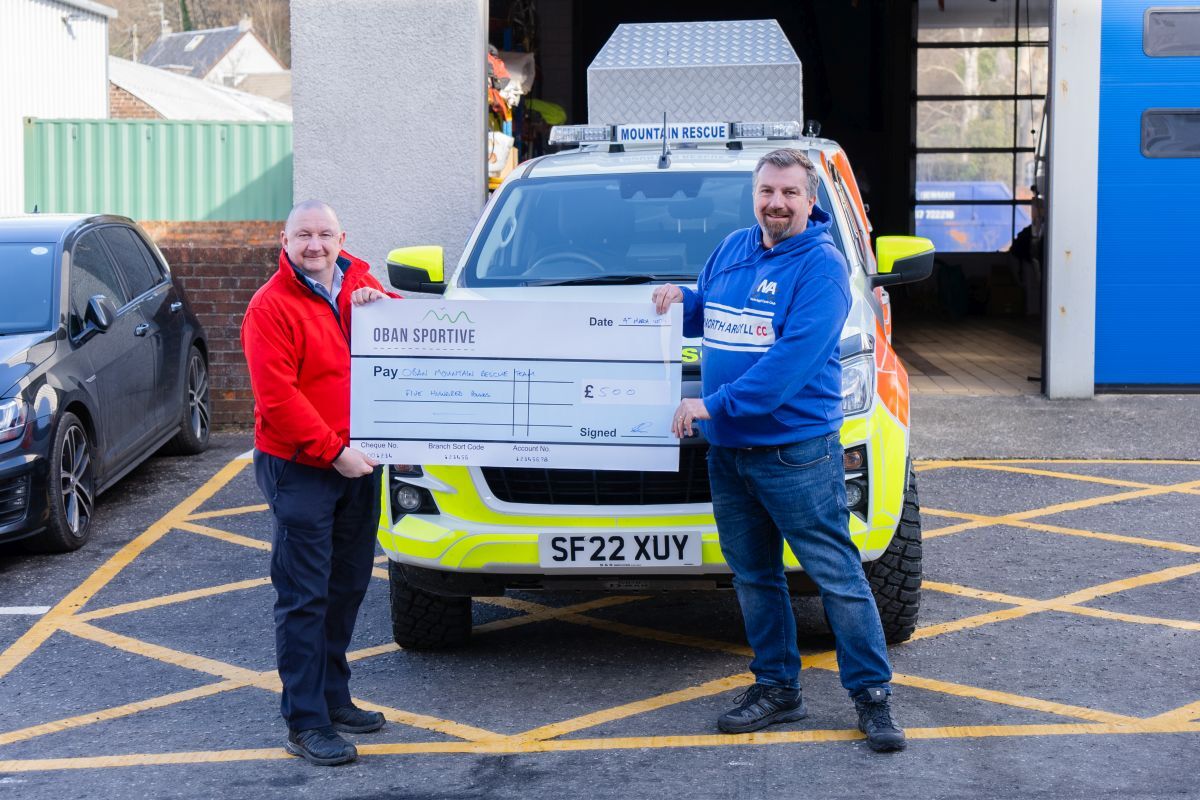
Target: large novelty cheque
{"type": "Point", "coordinates": [516, 384]}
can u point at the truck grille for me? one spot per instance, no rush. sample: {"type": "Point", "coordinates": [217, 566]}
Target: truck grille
{"type": "Point", "coordinates": [585, 487]}
{"type": "Point", "coordinates": [14, 499]}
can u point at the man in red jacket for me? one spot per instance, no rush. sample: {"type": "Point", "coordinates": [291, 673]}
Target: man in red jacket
{"type": "Point", "coordinates": [323, 493]}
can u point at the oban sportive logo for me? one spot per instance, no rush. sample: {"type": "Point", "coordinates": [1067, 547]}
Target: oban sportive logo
{"type": "Point", "coordinates": [436, 327]}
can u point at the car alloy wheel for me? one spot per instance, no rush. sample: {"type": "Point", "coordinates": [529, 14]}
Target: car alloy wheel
{"type": "Point", "coordinates": [75, 476]}
{"type": "Point", "coordinates": [198, 412]}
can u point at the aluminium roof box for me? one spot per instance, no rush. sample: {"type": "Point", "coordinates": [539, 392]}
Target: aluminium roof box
{"type": "Point", "coordinates": [695, 71]}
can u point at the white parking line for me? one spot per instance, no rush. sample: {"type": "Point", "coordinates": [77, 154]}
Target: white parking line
{"type": "Point", "coordinates": [35, 611]}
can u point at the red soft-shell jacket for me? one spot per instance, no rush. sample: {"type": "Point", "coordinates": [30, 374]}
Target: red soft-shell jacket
{"type": "Point", "coordinates": [298, 353]}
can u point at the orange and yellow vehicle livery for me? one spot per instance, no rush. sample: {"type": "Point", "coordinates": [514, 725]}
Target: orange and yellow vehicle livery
{"type": "Point", "coordinates": [603, 222]}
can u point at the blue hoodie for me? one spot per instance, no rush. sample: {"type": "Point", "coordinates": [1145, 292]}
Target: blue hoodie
{"type": "Point", "coordinates": [771, 322]}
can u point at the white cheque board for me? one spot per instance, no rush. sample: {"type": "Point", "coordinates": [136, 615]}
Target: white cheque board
{"type": "Point", "coordinates": [516, 384]}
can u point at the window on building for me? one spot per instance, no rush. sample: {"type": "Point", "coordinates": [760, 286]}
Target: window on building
{"type": "Point", "coordinates": [1168, 32]}
{"type": "Point", "coordinates": [1171, 133]}
{"type": "Point", "coordinates": [981, 89]}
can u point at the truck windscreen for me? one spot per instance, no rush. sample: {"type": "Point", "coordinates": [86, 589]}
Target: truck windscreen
{"type": "Point", "coordinates": [662, 223]}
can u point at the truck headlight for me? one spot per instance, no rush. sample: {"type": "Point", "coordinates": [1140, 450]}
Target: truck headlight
{"type": "Point", "coordinates": [13, 414]}
{"type": "Point", "coordinates": [858, 383]}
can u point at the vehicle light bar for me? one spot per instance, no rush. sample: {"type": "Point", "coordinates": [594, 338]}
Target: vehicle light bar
{"type": "Point", "coordinates": [651, 133]}
{"type": "Point", "coordinates": [766, 130]}
{"type": "Point", "coordinates": [580, 134]}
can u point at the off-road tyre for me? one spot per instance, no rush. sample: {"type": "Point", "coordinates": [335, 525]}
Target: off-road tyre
{"type": "Point", "coordinates": [895, 577]}
{"type": "Point", "coordinates": [425, 621]}
{"type": "Point", "coordinates": [196, 415]}
{"type": "Point", "coordinates": [70, 489]}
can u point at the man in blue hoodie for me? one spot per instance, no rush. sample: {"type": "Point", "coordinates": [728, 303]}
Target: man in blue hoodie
{"type": "Point", "coordinates": [770, 304]}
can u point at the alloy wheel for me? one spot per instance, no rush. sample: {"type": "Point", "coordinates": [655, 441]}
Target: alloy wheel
{"type": "Point", "coordinates": [76, 481]}
{"type": "Point", "coordinates": [198, 412]}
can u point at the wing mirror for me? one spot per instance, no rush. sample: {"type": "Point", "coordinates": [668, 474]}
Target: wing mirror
{"type": "Point", "coordinates": [902, 259]}
{"type": "Point", "coordinates": [417, 269]}
{"type": "Point", "coordinates": [100, 313]}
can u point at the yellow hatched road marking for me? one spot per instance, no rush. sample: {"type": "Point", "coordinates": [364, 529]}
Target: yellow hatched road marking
{"type": "Point", "coordinates": [1045, 473]}
{"type": "Point", "coordinates": [166, 655]}
{"type": "Point", "coordinates": [224, 536]}
{"type": "Point", "coordinates": [268, 680]}
{"type": "Point", "coordinates": [537, 613]}
{"type": "Point", "coordinates": [932, 464]}
{"type": "Point", "coordinates": [116, 712]}
{"type": "Point", "coordinates": [1161, 544]}
{"type": "Point", "coordinates": [637, 707]}
{"type": "Point", "coordinates": [983, 521]}
{"type": "Point", "coordinates": [75, 600]}
{"type": "Point", "coordinates": [1092, 502]}
{"type": "Point", "coordinates": [509, 746]}
{"type": "Point", "coordinates": [1179, 720]}
{"type": "Point", "coordinates": [227, 512]}
{"type": "Point", "coordinates": [1141, 619]}
{"type": "Point", "coordinates": [1087, 611]}
{"type": "Point", "coordinates": [977, 594]}
{"type": "Point", "coordinates": [169, 599]}
{"type": "Point", "coordinates": [1063, 603]}
{"type": "Point", "coordinates": [1188, 713]}
{"type": "Point", "coordinates": [265, 680]}
{"type": "Point", "coordinates": [1008, 699]}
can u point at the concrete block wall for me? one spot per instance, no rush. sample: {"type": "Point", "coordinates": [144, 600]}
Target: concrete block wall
{"type": "Point", "coordinates": [389, 105]}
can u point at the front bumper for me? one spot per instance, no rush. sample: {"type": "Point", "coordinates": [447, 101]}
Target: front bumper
{"type": "Point", "coordinates": [23, 507]}
{"type": "Point", "coordinates": [474, 532]}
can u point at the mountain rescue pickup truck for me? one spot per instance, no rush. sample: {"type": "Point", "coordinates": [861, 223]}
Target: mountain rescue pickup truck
{"type": "Point", "coordinates": [605, 220]}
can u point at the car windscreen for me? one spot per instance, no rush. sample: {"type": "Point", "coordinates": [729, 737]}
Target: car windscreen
{"type": "Point", "coordinates": [592, 227]}
{"type": "Point", "coordinates": [27, 275]}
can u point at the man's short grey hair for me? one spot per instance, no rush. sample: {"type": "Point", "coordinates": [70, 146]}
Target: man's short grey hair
{"type": "Point", "coordinates": [312, 205]}
{"type": "Point", "coordinates": [786, 157]}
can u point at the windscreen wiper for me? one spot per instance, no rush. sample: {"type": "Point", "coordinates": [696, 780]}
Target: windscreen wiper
{"type": "Point", "coordinates": [616, 280]}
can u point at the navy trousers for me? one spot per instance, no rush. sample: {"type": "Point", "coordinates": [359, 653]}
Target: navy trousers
{"type": "Point", "coordinates": [321, 560]}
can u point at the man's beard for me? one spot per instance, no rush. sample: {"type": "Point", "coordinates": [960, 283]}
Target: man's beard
{"type": "Point", "coordinates": [777, 229]}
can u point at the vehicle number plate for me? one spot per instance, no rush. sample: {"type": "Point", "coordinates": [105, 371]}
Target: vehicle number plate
{"type": "Point", "coordinates": [679, 549]}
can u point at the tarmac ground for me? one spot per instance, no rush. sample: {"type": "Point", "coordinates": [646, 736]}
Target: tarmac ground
{"type": "Point", "coordinates": [1056, 654]}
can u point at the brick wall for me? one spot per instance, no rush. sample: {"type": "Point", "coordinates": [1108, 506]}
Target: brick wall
{"type": "Point", "coordinates": [226, 233]}
{"type": "Point", "coordinates": [123, 105]}
{"type": "Point", "coordinates": [219, 282]}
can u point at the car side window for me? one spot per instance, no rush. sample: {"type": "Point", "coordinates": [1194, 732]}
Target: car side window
{"type": "Point", "coordinates": [856, 231]}
{"type": "Point", "coordinates": [140, 273]}
{"type": "Point", "coordinates": [92, 273]}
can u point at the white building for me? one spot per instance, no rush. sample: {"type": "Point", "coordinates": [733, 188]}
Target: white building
{"type": "Point", "coordinates": [53, 63]}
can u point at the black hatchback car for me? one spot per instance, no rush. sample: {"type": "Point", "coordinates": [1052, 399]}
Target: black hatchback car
{"type": "Point", "coordinates": [102, 362]}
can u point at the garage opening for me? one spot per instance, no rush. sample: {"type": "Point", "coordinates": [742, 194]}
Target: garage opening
{"type": "Point", "coordinates": [940, 106]}
{"type": "Point", "coordinates": [979, 107]}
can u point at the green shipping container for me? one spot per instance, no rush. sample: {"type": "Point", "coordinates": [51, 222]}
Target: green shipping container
{"type": "Point", "coordinates": [159, 169]}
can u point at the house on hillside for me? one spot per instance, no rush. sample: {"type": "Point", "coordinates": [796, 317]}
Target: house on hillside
{"type": "Point", "coordinates": [229, 56]}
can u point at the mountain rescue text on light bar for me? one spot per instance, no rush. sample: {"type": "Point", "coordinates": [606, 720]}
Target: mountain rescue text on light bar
{"type": "Point", "coordinates": [650, 133]}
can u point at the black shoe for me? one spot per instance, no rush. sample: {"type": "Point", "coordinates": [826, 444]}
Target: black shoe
{"type": "Point", "coordinates": [875, 720]}
{"type": "Point", "coordinates": [321, 746]}
{"type": "Point", "coordinates": [352, 719]}
{"type": "Point", "coordinates": [760, 706]}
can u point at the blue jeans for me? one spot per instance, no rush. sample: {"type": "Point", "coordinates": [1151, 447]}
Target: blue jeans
{"type": "Point", "coordinates": [796, 493]}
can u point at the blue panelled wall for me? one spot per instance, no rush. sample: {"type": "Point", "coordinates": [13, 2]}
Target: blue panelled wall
{"type": "Point", "coordinates": [1148, 214]}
